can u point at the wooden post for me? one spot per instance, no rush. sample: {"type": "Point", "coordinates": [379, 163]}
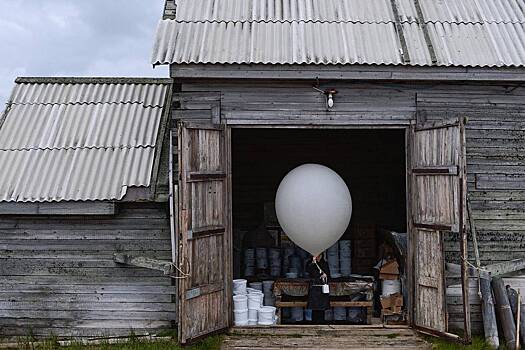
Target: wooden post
{"type": "Point", "coordinates": [518, 311]}
{"type": "Point", "coordinates": [474, 235]}
{"type": "Point", "coordinates": [504, 312]}
{"type": "Point", "coordinates": [490, 326]}
{"type": "Point", "coordinates": [518, 323]}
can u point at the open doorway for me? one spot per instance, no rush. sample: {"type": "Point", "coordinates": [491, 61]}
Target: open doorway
{"type": "Point", "coordinates": [372, 162]}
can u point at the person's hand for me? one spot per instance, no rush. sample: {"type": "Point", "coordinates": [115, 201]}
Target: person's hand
{"type": "Point", "coordinates": [324, 277]}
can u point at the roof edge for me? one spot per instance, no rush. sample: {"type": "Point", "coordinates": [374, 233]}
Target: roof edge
{"type": "Point", "coordinates": [346, 72]}
{"type": "Point", "coordinates": [92, 80]}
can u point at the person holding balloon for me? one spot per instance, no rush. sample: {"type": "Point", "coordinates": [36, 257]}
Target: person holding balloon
{"type": "Point", "coordinates": [318, 293]}
{"type": "Point", "coordinates": [314, 207]}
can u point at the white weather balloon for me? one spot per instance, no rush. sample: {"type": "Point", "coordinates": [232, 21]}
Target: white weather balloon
{"type": "Point", "coordinates": [313, 206]}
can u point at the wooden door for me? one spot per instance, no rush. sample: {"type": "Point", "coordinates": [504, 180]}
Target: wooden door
{"type": "Point", "coordinates": [438, 199]}
{"type": "Point", "coordinates": [204, 242]}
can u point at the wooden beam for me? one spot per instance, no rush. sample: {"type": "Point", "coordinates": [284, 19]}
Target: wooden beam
{"type": "Point", "coordinates": [506, 267]}
{"type": "Point", "coordinates": [503, 268]}
{"type": "Point", "coordinates": [148, 263]}
{"type": "Point", "coordinates": [435, 170]}
{"type": "Point", "coordinates": [58, 208]}
{"type": "Point", "coordinates": [345, 72]}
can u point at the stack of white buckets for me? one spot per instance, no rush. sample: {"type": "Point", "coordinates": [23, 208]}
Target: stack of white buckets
{"type": "Point", "coordinates": [248, 305]}
{"type": "Point", "coordinates": [339, 258]}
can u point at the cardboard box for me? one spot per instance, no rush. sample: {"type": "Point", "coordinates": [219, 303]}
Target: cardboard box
{"type": "Point", "coordinates": [392, 303]}
{"type": "Point", "coordinates": [389, 271]}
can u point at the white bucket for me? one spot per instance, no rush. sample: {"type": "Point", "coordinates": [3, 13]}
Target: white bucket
{"type": "Point", "coordinates": [308, 314]}
{"type": "Point", "coordinates": [254, 300]}
{"type": "Point", "coordinates": [252, 315]}
{"type": "Point", "coordinates": [297, 314]}
{"type": "Point", "coordinates": [345, 247]}
{"type": "Point", "coordinates": [256, 285]}
{"type": "Point", "coordinates": [390, 287]}
{"type": "Point", "coordinates": [328, 315]}
{"type": "Point", "coordinates": [332, 255]}
{"type": "Point", "coordinates": [339, 314]}
{"type": "Point", "coordinates": [269, 300]}
{"type": "Point", "coordinates": [261, 258]}
{"type": "Point", "coordinates": [275, 271]}
{"type": "Point", "coordinates": [274, 254]}
{"type": "Point", "coordinates": [239, 286]}
{"type": "Point", "coordinates": [240, 302]}
{"type": "Point", "coordinates": [240, 317]}
{"type": "Point", "coordinates": [267, 286]}
{"type": "Point", "coordinates": [266, 316]}
{"type": "Point", "coordinates": [286, 313]}
{"type": "Point", "coordinates": [249, 254]}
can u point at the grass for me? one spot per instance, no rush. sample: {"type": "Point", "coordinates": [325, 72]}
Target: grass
{"type": "Point", "coordinates": [478, 343]}
{"type": "Point", "coordinates": [134, 343]}
{"type": "Point", "coordinates": [392, 335]}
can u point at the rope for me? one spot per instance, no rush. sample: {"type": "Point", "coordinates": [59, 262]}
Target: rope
{"type": "Point", "coordinates": [478, 270]}
{"type": "Point", "coordinates": [184, 274]}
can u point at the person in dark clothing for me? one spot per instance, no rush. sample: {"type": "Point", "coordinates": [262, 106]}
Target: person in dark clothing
{"type": "Point", "coordinates": [318, 301]}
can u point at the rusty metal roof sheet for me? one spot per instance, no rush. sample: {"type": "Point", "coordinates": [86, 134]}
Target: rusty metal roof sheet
{"type": "Point", "coordinates": [79, 139]}
{"type": "Point", "coordinates": [344, 32]}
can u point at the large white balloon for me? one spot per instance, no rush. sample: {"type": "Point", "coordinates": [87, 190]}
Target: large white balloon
{"type": "Point", "coordinates": [313, 206]}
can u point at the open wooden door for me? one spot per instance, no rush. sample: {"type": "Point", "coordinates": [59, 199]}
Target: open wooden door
{"type": "Point", "coordinates": [438, 202]}
{"type": "Point", "coordinates": [204, 241]}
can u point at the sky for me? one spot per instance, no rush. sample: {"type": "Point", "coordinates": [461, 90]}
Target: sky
{"type": "Point", "coordinates": [76, 38]}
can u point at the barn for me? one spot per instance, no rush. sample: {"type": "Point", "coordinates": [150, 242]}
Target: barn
{"type": "Point", "coordinates": [81, 181]}
{"type": "Point", "coordinates": [417, 104]}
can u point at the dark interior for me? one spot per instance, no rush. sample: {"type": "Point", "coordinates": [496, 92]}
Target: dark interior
{"type": "Point", "coordinates": [372, 163]}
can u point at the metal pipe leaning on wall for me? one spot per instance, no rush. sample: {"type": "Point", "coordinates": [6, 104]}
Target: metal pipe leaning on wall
{"type": "Point", "coordinates": [506, 318]}
{"type": "Point", "coordinates": [490, 326]}
{"type": "Point", "coordinates": [513, 300]}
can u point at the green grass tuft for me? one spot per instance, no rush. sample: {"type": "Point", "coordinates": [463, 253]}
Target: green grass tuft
{"type": "Point", "coordinates": [478, 343]}
{"type": "Point", "coordinates": [134, 343]}
{"type": "Point", "coordinates": [392, 335]}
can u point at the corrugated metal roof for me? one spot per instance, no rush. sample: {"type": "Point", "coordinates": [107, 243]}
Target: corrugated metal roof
{"type": "Point", "coordinates": [39, 126]}
{"type": "Point", "coordinates": [270, 42]}
{"type": "Point", "coordinates": [285, 11]}
{"type": "Point", "coordinates": [84, 93]}
{"type": "Point", "coordinates": [474, 11]}
{"type": "Point", "coordinates": [79, 174]}
{"type": "Point", "coordinates": [489, 44]}
{"type": "Point", "coordinates": [343, 32]}
{"type": "Point", "coordinates": [79, 139]}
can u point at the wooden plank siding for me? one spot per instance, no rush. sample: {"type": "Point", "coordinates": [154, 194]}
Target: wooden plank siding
{"type": "Point", "coordinates": [495, 137]}
{"type": "Point", "coordinates": [57, 274]}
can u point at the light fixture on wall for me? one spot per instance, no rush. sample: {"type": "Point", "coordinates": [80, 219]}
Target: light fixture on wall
{"type": "Point", "coordinates": [329, 95]}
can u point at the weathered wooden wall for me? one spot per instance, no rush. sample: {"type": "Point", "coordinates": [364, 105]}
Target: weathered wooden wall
{"type": "Point", "coordinates": [57, 274]}
{"type": "Point", "coordinates": [495, 137]}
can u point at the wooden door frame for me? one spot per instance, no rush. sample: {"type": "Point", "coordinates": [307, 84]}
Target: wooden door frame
{"type": "Point", "coordinates": [401, 126]}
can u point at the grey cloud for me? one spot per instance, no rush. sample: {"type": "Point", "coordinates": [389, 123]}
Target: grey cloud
{"type": "Point", "coordinates": [76, 38]}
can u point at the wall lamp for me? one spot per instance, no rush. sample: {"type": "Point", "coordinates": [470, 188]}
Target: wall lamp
{"type": "Point", "coordinates": [329, 94]}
